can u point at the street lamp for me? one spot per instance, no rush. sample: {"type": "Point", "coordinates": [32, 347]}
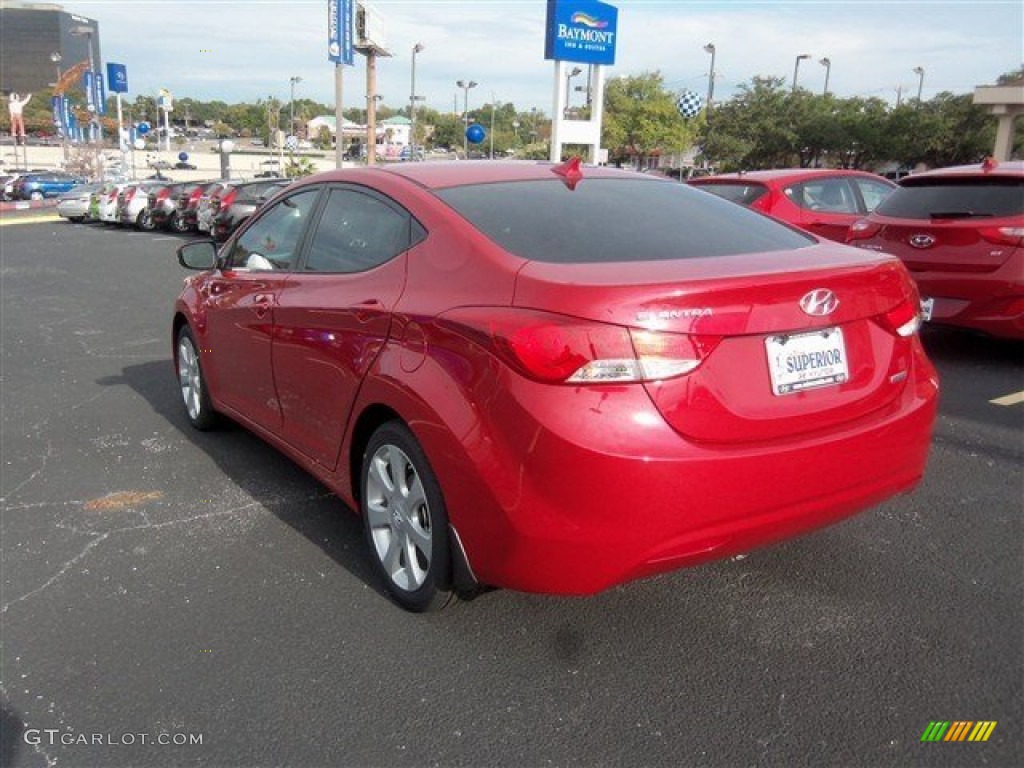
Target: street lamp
{"type": "Point", "coordinates": [827, 64]}
{"type": "Point", "coordinates": [465, 86]}
{"type": "Point", "coordinates": [291, 104]}
{"type": "Point", "coordinates": [55, 57]}
{"type": "Point", "coordinates": [412, 104]}
{"type": "Point", "coordinates": [568, 86]}
{"type": "Point", "coordinates": [710, 48]}
{"type": "Point", "coordinates": [796, 67]}
{"type": "Point", "coordinates": [919, 71]}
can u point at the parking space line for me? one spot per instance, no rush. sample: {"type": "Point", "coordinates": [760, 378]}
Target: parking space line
{"type": "Point", "coordinates": [157, 239]}
{"type": "Point", "coordinates": [5, 222]}
{"type": "Point", "coordinates": [1012, 399]}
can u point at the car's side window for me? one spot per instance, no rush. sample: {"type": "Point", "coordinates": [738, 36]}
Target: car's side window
{"type": "Point", "coordinates": [873, 192]}
{"type": "Point", "coordinates": [272, 242]}
{"type": "Point", "coordinates": [827, 195]}
{"type": "Point", "coordinates": [356, 232]}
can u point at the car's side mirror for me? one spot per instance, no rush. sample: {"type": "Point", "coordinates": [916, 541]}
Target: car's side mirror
{"type": "Point", "coordinates": [199, 255]}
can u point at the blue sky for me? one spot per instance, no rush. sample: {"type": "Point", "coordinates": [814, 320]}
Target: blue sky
{"type": "Point", "coordinates": [239, 50]}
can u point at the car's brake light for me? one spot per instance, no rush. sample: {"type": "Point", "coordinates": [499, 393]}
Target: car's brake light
{"type": "Point", "coordinates": [227, 197]}
{"type": "Point", "coordinates": [905, 318]}
{"type": "Point", "coordinates": [129, 194]}
{"type": "Point", "coordinates": [1003, 235]}
{"type": "Point", "coordinates": [558, 349]}
{"type": "Point", "coordinates": [862, 229]}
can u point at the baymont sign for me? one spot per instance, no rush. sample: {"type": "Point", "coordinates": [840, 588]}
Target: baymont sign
{"type": "Point", "coordinates": [581, 31]}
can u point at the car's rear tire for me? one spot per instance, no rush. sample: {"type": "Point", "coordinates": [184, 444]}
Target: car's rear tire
{"type": "Point", "coordinates": [405, 520]}
{"type": "Point", "coordinates": [37, 195]}
{"type": "Point", "coordinates": [192, 383]}
{"type": "Point", "coordinates": [144, 221]}
{"type": "Point", "coordinates": [178, 223]}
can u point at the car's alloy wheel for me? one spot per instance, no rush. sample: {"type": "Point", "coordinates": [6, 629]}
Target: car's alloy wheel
{"type": "Point", "coordinates": [178, 223]}
{"type": "Point", "coordinates": [145, 221]}
{"type": "Point", "coordinates": [193, 385]}
{"type": "Point", "coordinates": [405, 519]}
{"type": "Point", "coordinates": [37, 195]}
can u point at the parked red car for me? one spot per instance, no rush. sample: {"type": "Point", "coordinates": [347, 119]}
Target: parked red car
{"type": "Point", "coordinates": [556, 379]}
{"type": "Point", "coordinates": [823, 201]}
{"type": "Point", "coordinates": [960, 231]}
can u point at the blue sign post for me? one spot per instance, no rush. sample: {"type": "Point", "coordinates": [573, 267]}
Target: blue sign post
{"type": "Point", "coordinates": [583, 31]}
{"type": "Point", "coordinates": [117, 77]}
{"type": "Point", "coordinates": [339, 32]}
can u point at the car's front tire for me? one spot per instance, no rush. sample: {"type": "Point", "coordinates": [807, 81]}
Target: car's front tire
{"type": "Point", "coordinates": [192, 383]}
{"type": "Point", "coordinates": [405, 520]}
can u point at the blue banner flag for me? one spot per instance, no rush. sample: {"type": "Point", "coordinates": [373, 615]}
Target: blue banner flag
{"type": "Point", "coordinates": [339, 31]}
{"type": "Point", "coordinates": [57, 102]}
{"type": "Point", "coordinates": [90, 92]}
{"type": "Point", "coordinates": [117, 78]}
{"type": "Point", "coordinates": [101, 93]}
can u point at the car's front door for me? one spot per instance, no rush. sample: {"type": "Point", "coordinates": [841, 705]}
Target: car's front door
{"type": "Point", "coordinates": [334, 318]}
{"type": "Point", "coordinates": [240, 304]}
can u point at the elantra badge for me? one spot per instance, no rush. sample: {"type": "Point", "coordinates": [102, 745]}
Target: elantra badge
{"type": "Point", "coordinates": [819, 302]}
{"type": "Point", "coordinates": [922, 241]}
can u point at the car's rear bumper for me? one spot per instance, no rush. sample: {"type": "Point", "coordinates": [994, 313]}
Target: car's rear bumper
{"type": "Point", "coordinates": [575, 494]}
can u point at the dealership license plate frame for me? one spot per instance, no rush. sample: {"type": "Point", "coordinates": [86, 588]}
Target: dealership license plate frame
{"type": "Point", "coordinates": [779, 348]}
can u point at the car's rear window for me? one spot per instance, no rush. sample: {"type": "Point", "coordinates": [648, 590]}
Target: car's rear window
{"type": "Point", "coordinates": [969, 197]}
{"type": "Point", "coordinates": [744, 194]}
{"type": "Point", "coordinates": [610, 220]}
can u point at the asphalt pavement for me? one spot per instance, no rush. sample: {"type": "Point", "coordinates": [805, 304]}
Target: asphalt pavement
{"type": "Point", "coordinates": [175, 598]}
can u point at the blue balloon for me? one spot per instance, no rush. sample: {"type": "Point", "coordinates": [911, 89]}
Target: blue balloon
{"type": "Point", "coordinates": [476, 133]}
{"type": "Point", "coordinates": [183, 156]}
{"type": "Point", "coordinates": [142, 128]}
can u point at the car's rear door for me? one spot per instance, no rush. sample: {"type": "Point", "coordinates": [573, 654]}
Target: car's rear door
{"type": "Point", "coordinates": [333, 319]}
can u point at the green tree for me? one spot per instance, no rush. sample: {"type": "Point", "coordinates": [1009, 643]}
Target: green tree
{"type": "Point", "coordinates": [641, 119]}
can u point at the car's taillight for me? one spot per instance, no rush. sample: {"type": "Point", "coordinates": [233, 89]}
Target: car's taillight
{"type": "Point", "coordinates": [558, 349]}
{"type": "Point", "coordinates": [129, 194]}
{"type": "Point", "coordinates": [862, 229]}
{"type": "Point", "coordinates": [112, 196]}
{"type": "Point", "coordinates": [193, 199]}
{"type": "Point", "coordinates": [905, 318]}
{"type": "Point", "coordinates": [163, 194]}
{"type": "Point", "coordinates": [1003, 235]}
{"type": "Point", "coordinates": [227, 197]}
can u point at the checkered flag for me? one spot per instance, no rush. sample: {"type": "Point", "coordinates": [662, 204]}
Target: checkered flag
{"type": "Point", "coordinates": [689, 104]}
{"type": "Point", "coordinates": [291, 143]}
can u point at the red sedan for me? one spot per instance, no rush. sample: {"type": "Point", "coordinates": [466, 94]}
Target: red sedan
{"type": "Point", "coordinates": [960, 231]}
{"type": "Point", "coordinates": [823, 201]}
{"type": "Point", "coordinates": [556, 379]}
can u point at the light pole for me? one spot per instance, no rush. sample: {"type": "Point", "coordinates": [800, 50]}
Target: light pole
{"type": "Point", "coordinates": [492, 125]}
{"type": "Point", "coordinates": [465, 86]}
{"type": "Point", "coordinates": [94, 120]}
{"type": "Point", "coordinates": [55, 57]}
{"type": "Point", "coordinates": [710, 48]}
{"type": "Point", "coordinates": [827, 64]}
{"type": "Point", "coordinates": [919, 71]}
{"type": "Point", "coordinates": [568, 87]}
{"type": "Point", "coordinates": [796, 67]}
{"type": "Point", "coordinates": [291, 104]}
{"type": "Point", "coordinates": [412, 104]}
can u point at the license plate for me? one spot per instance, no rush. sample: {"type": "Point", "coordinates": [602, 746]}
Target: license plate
{"type": "Point", "coordinates": [807, 360]}
{"type": "Point", "coordinates": [927, 305]}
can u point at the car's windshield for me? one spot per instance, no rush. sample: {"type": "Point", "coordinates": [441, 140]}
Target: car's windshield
{"type": "Point", "coordinates": [609, 220]}
{"type": "Point", "coordinates": [949, 198]}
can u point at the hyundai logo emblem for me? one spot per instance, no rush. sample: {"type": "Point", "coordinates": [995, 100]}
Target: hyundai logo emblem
{"type": "Point", "coordinates": [819, 302]}
{"type": "Point", "coordinates": [922, 241]}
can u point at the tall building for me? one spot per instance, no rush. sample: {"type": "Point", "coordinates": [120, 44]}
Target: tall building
{"type": "Point", "coordinates": [30, 33]}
